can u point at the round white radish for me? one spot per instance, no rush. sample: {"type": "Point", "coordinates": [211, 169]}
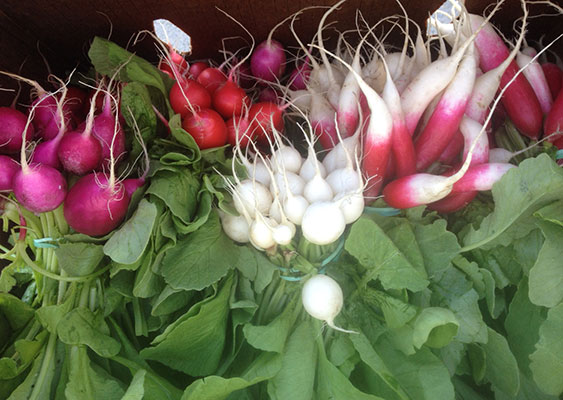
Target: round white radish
{"type": "Point", "coordinates": [338, 157]}
{"type": "Point", "coordinates": [261, 232]}
{"type": "Point", "coordinates": [344, 180]}
{"type": "Point", "coordinates": [323, 299]}
{"type": "Point", "coordinates": [294, 208]}
{"type": "Point", "coordinates": [323, 223]}
{"type": "Point", "coordinates": [283, 233]}
{"type": "Point", "coordinates": [252, 196]}
{"type": "Point", "coordinates": [287, 159]}
{"type": "Point", "coordinates": [351, 205]}
{"type": "Point", "coordinates": [275, 211]}
{"type": "Point", "coordinates": [317, 189]}
{"type": "Point", "coordinates": [258, 171]}
{"type": "Point", "coordinates": [288, 179]}
{"type": "Point", "coordinates": [309, 167]}
{"type": "Point", "coordinates": [236, 227]}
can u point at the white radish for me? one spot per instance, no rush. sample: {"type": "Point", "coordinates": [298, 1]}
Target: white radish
{"type": "Point", "coordinates": [261, 232]}
{"type": "Point", "coordinates": [236, 227]}
{"type": "Point", "coordinates": [323, 223]}
{"type": "Point", "coordinates": [252, 195]}
{"type": "Point", "coordinates": [323, 299]}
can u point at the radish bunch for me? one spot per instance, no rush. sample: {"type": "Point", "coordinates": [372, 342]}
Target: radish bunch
{"type": "Point", "coordinates": [286, 190]}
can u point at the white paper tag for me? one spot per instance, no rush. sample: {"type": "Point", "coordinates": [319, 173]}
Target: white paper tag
{"type": "Point", "coordinates": [173, 36]}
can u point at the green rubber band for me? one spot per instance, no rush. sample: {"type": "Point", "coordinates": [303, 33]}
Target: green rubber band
{"type": "Point", "coordinates": [45, 243]}
{"type": "Point", "coordinates": [559, 154]}
{"type": "Point", "coordinates": [384, 211]}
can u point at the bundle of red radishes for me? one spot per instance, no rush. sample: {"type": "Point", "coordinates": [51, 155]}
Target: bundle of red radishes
{"type": "Point", "coordinates": [66, 135]}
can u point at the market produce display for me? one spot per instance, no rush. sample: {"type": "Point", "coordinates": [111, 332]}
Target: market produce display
{"type": "Point", "coordinates": [356, 218]}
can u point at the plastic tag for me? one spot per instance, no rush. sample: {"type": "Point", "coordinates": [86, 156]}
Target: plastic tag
{"type": "Point", "coordinates": [170, 34]}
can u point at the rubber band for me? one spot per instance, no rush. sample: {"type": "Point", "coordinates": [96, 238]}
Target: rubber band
{"type": "Point", "coordinates": [46, 243]}
{"type": "Point", "coordinates": [383, 211]}
{"type": "Point", "coordinates": [559, 154]}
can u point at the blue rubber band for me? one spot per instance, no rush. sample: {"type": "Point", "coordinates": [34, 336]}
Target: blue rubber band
{"type": "Point", "coordinates": [384, 211]}
{"type": "Point", "coordinates": [291, 278]}
{"type": "Point", "coordinates": [45, 243]}
{"type": "Point", "coordinates": [559, 154]}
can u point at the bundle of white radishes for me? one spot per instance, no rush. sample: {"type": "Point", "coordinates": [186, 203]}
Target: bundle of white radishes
{"type": "Point", "coordinates": [286, 190]}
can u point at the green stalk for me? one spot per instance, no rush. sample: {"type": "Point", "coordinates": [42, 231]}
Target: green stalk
{"type": "Point", "coordinates": [45, 365]}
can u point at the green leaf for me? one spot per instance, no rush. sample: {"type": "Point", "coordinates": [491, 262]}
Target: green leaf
{"type": "Point", "coordinates": [170, 300]}
{"type": "Point", "coordinates": [404, 238]}
{"type": "Point", "coordinates": [546, 276]}
{"type": "Point", "coordinates": [194, 344]}
{"type": "Point", "coordinates": [126, 246]}
{"type": "Point", "coordinates": [219, 388]}
{"type": "Point", "coordinates": [204, 207]}
{"type": "Point", "coordinates": [82, 327]}
{"type": "Point", "coordinates": [184, 138]}
{"type": "Point", "coordinates": [369, 356]}
{"type": "Point", "coordinates": [50, 316]}
{"type": "Point", "coordinates": [536, 183]}
{"type": "Point", "coordinates": [438, 246]}
{"type": "Point", "coordinates": [435, 327]}
{"type": "Point", "coordinates": [272, 337]}
{"type": "Point", "coordinates": [421, 375]}
{"type": "Point", "coordinates": [472, 328]}
{"type": "Point", "coordinates": [107, 57]}
{"type": "Point", "coordinates": [179, 191]}
{"type": "Point", "coordinates": [296, 378]}
{"type": "Point", "coordinates": [136, 389]}
{"type": "Point", "coordinates": [522, 326]}
{"type": "Point", "coordinates": [24, 390]}
{"type": "Point", "coordinates": [378, 254]}
{"type": "Point", "coordinates": [552, 213]}
{"type": "Point", "coordinates": [333, 384]}
{"type": "Point", "coordinates": [501, 366]}
{"type": "Point", "coordinates": [16, 311]}
{"type": "Point", "coordinates": [547, 359]}
{"type": "Point", "coordinates": [201, 258]}
{"type": "Point", "coordinates": [79, 259]}
{"type": "Point", "coordinates": [88, 381]}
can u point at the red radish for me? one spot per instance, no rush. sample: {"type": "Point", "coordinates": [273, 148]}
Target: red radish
{"type": "Point", "coordinates": [188, 96]}
{"type": "Point", "coordinates": [12, 124]}
{"type": "Point", "coordinates": [535, 76]}
{"type": "Point", "coordinates": [481, 177]}
{"type": "Point", "coordinates": [38, 187]}
{"type": "Point", "coordinates": [207, 128]}
{"type": "Point", "coordinates": [76, 98]}
{"type": "Point", "coordinates": [8, 168]}
{"type": "Point", "coordinates": [264, 117]}
{"type": "Point", "coordinates": [453, 149]}
{"type": "Point", "coordinates": [453, 202]}
{"type": "Point", "coordinates": [244, 76]}
{"type": "Point", "coordinates": [174, 66]}
{"type": "Point", "coordinates": [238, 132]}
{"type": "Point", "coordinates": [211, 79]}
{"type": "Point", "coordinates": [554, 120]}
{"type": "Point", "coordinates": [445, 119]}
{"type": "Point", "coordinates": [554, 77]}
{"type": "Point", "coordinates": [230, 99]}
{"type": "Point", "coordinates": [94, 206]}
{"type": "Point", "coordinates": [197, 68]}
{"type": "Point", "coordinates": [519, 100]}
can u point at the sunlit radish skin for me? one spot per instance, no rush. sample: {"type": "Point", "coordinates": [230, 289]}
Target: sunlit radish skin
{"type": "Point", "coordinates": [481, 177]}
{"type": "Point", "coordinates": [323, 223]}
{"type": "Point", "coordinates": [188, 96]}
{"type": "Point", "coordinates": [39, 188]}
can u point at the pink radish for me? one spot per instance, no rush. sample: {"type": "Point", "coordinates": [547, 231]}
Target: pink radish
{"type": "Point", "coordinates": [520, 100]}
{"type": "Point", "coordinates": [37, 187]}
{"type": "Point", "coordinates": [8, 168]}
{"type": "Point", "coordinates": [108, 129]}
{"type": "Point", "coordinates": [95, 206]}
{"type": "Point", "coordinates": [80, 151]}
{"type": "Point", "coordinates": [471, 131]}
{"type": "Point", "coordinates": [481, 177]}
{"type": "Point", "coordinates": [554, 77]}
{"type": "Point", "coordinates": [453, 202]}
{"type": "Point", "coordinates": [554, 120]}
{"type": "Point", "coordinates": [447, 115]}
{"type": "Point", "coordinates": [452, 150]}
{"type": "Point", "coordinates": [535, 76]}
{"type": "Point", "coordinates": [299, 76]}
{"type": "Point", "coordinates": [12, 124]}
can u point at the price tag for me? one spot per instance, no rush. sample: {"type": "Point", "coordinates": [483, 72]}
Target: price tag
{"type": "Point", "coordinates": [175, 37]}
